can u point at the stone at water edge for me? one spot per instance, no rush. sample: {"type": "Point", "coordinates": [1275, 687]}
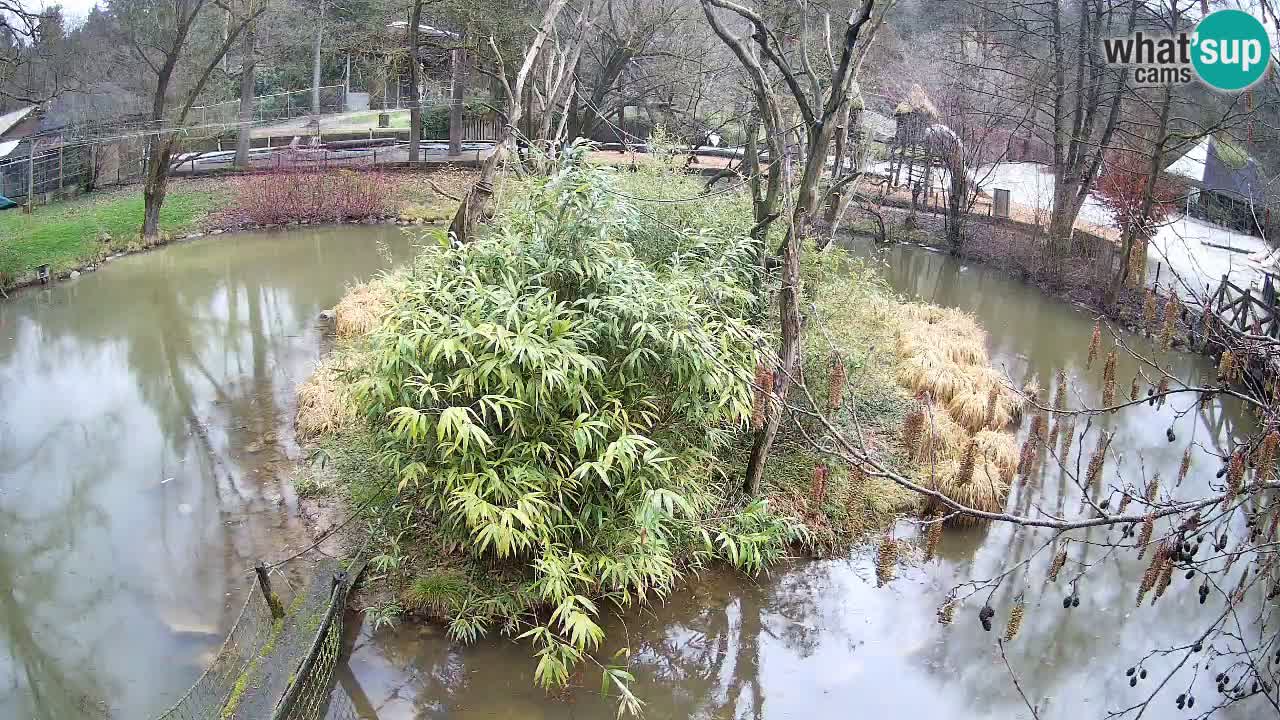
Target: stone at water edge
{"type": "Point", "coordinates": [74, 274]}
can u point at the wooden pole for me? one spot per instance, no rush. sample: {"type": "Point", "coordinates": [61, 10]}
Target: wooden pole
{"type": "Point", "coordinates": [264, 584]}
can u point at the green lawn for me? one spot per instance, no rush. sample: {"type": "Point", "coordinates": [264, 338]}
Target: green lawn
{"type": "Point", "coordinates": [66, 235]}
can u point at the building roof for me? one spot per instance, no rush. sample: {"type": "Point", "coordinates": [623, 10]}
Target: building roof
{"type": "Point", "coordinates": [9, 120]}
{"type": "Point", "coordinates": [879, 126]}
{"type": "Point", "coordinates": [1218, 165]}
{"type": "Point", "coordinates": [423, 30]}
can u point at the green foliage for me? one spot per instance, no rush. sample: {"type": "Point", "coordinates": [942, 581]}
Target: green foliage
{"type": "Point", "coordinates": [559, 407]}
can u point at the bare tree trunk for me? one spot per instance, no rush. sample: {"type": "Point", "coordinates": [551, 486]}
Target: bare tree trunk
{"type": "Point", "coordinates": [315, 64]}
{"type": "Point", "coordinates": [415, 77]}
{"type": "Point", "coordinates": [247, 67]}
{"type": "Point", "coordinates": [156, 185]}
{"type": "Point", "coordinates": [457, 97]}
{"type": "Point", "coordinates": [477, 206]}
{"type": "Point", "coordinates": [1136, 228]}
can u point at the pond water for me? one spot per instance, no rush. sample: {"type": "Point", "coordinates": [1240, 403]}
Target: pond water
{"type": "Point", "coordinates": [146, 447]}
{"type": "Point", "coordinates": [145, 455]}
{"type": "Point", "coordinates": [820, 640]}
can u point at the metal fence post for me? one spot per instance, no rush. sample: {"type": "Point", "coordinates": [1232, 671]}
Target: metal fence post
{"type": "Point", "coordinates": [31, 180]}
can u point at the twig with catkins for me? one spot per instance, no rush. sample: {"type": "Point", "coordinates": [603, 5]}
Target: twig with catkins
{"type": "Point", "coordinates": [1015, 618]}
{"type": "Point", "coordinates": [1149, 312]}
{"type": "Point", "coordinates": [1099, 459]}
{"type": "Point", "coordinates": [1109, 380]}
{"type": "Point", "coordinates": [1172, 308]}
{"type": "Point", "coordinates": [1095, 342]}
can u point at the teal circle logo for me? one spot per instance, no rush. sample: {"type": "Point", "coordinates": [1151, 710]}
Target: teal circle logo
{"type": "Point", "coordinates": [1231, 50]}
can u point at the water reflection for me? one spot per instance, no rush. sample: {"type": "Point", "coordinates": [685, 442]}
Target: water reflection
{"type": "Point", "coordinates": [819, 640]}
{"type": "Point", "coordinates": [145, 450]}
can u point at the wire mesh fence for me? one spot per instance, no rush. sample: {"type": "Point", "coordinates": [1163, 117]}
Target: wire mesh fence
{"type": "Point", "coordinates": [270, 108]}
{"type": "Point", "coordinates": [45, 173]}
{"type": "Point", "coordinates": [277, 663]}
{"type": "Point", "coordinates": [216, 687]}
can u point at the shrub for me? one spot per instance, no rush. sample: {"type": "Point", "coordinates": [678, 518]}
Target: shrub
{"type": "Point", "coordinates": [331, 196]}
{"type": "Point", "coordinates": [560, 409]}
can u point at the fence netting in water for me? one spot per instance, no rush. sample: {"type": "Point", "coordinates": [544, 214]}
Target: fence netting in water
{"type": "Point", "coordinates": [277, 668]}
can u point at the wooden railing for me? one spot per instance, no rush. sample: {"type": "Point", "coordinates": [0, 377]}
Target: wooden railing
{"type": "Point", "coordinates": [1248, 311]}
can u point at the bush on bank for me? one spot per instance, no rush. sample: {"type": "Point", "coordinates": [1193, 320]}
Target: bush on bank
{"type": "Point", "coordinates": [551, 422]}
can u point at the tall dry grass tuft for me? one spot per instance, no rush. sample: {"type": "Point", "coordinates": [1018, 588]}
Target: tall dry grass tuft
{"type": "Point", "coordinates": [361, 310]}
{"type": "Point", "coordinates": [986, 490]}
{"type": "Point", "coordinates": [941, 438]}
{"type": "Point", "coordinates": [324, 402]}
{"type": "Point", "coordinates": [959, 440]}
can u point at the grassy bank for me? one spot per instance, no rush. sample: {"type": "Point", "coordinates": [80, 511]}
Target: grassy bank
{"type": "Point", "coordinates": [551, 422]}
{"type": "Point", "coordinates": [82, 231]}
{"type": "Point", "coordinates": [71, 234]}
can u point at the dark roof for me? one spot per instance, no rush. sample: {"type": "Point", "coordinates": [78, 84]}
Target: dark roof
{"type": "Point", "coordinates": [1243, 182]}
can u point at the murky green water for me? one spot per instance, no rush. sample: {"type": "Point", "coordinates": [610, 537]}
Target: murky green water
{"type": "Point", "coordinates": [819, 640]}
{"type": "Point", "coordinates": [145, 455]}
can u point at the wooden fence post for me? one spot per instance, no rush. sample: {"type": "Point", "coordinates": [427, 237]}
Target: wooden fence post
{"type": "Point", "coordinates": [264, 584]}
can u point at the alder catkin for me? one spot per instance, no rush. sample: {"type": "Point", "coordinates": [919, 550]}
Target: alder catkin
{"type": "Point", "coordinates": [819, 490]}
{"type": "Point", "coordinates": [1015, 619]}
{"type": "Point", "coordinates": [1099, 458]}
{"type": "Point", "coordinates": [763, 392]}
{"type": "Point", "coordinates": [835, 387]}
{"type": "Point", "coordinates": [1227, 366]}
{"type": "Point", "coordinates": [886, 560]}
{"type": "Point", "coordinates": [1153, 488]}
{"type": "Point", "coordinates": [932, 536]}
{"type": "Point", "coordinates": [1109, 380]}
{"type": "Point", "coordinates": [965, 476]}
{"type": "Point", "coordinates": [1184, 467]}
{"type": "Point", "coordinates": [1094, 343]}
{"type": "Point", "coordinates": [1172, 308]}
{"type": "Point", "coordinates": [1235, 472]}
{"type": "Point", "coordinates": [912, 429]}
{"type": "Point", "coordinates": [1055, 566]}
{"type": "Point", "coordinates": [1149, 312]}
{"type": "Point", "coordinates": [1144, 535]}
{"type": "Point", "coordinates": [1133, 390]}
{"type": "Point", "coordinates": [1267, 455]}
{"type": "Point", "coordinates": [947, 612]}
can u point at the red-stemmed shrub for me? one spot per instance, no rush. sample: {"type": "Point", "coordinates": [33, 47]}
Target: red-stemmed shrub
{"type": "Point", "coordinates": [330, 196]}
{"type": "Point", "coordinates": [1122, 184]}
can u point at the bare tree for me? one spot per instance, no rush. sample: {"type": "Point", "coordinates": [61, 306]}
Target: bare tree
{"type": "Point", "coordinates": [177, 41]}
{"type": "Point", "coordinates": [820, 110]}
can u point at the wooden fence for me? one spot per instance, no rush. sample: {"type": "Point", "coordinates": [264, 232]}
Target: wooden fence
{"type": "Point", "coordinates": [1245, 311]}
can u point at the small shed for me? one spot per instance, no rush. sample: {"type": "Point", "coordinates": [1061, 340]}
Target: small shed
{"type": "Point", "coordinates": [1226, 185]}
